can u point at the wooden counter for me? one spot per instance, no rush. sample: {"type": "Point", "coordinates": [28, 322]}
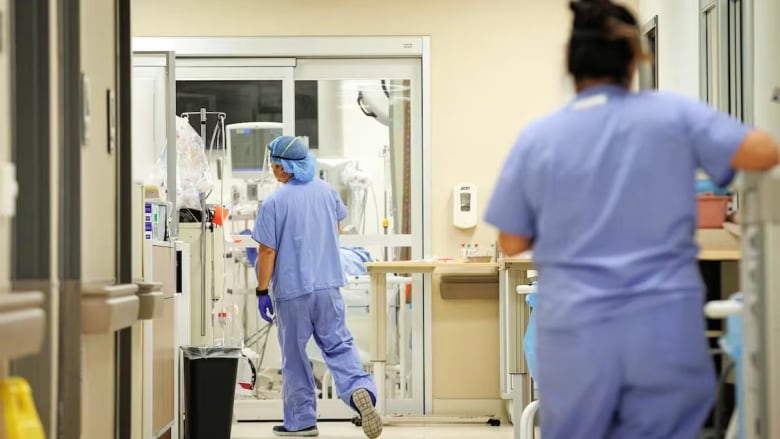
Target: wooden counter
{"type": "Point", "coordinates": [716, 245]}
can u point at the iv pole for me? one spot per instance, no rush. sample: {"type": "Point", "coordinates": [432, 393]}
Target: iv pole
{"type": "Point", "coordinates": [203, 216]}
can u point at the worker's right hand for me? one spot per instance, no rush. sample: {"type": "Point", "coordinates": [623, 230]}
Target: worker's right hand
{"type": "Point", "coordinates": [266, 308]}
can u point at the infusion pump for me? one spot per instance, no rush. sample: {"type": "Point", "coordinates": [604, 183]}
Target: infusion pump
{"type": "Point", "coordinates": [464, 206]}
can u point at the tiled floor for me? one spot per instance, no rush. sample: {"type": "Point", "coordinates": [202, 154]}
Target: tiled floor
{"type": "Point", "coordinates": [332, 430]}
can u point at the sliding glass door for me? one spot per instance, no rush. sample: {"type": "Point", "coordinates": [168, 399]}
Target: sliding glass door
{"type": "Point", "coordinates": [363, 116]}
{"type": "Point", "coordinates": [362, 120]}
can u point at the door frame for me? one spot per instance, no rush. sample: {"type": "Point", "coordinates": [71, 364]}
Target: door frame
{"type": "Point", "coordinates": [288, 71]}
{"type": "Point", "coordinates": [123, 342]}
{"type": "Point", "coordinates": [336, 47]}
{"type": "Point", "coordinates": [31, 241]}
{"type": "Point", "coordinates": [69, 107]}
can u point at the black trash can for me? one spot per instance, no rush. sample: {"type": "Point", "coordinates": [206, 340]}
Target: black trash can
{"type": "Point", "coordinates": [209, 390]}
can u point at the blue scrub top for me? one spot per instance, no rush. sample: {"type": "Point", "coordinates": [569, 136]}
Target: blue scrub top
{"type": "Point", "coordinates": [300, 221]}
{"type": "Point", "coordinates": [605, 187]}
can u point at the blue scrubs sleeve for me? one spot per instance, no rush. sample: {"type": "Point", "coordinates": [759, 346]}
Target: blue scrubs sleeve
{"type": "Point", "coordinates": [509, 209]}
{"type": "Point", "coordinates": [265, 226]}
{"type": "Point", "coordinates": [715, 137]}
{"type": "Point", "coordinates": [341, 209]}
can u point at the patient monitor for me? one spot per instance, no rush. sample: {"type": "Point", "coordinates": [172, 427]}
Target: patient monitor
{"type": "Point", "coordinates": [246, 147]}
{"type": "Point", "coordinates": [239, 173]}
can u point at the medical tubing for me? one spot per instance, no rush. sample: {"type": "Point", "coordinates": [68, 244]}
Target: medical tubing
{"type": "Point", "coordinates": [261, 352]}
{"type": "Point", "coordinates": [203, 237]}
{"type": "Point", "coordinates": [384, 226]}
{"type": "Point", "coordinates": [363, 218]}
{"type": "Point", "coordinates": [384, 89]}
{"type": "Point", "coordinates": [202, 267]}
{"type": "Point", "coordinates": [214, 135]}
{"type": "Point", "coordinates": [376, 206]}
{"type": "Point", "coordinates": [363, 107]}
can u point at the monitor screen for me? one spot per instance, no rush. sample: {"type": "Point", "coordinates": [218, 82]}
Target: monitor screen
{"type": "Point", "coordinates": [248, 146]}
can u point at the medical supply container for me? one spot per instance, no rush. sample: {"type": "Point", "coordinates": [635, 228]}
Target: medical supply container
{"type": "Point", "coordinates": [711, 211]}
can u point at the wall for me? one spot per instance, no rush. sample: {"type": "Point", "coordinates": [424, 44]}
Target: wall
{"type": "Point", "coordinates": [678, 43]}
{"type": "Point", "coordinates": [493, 69]}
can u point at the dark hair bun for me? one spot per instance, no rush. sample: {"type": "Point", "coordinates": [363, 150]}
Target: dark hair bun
{"type": "Point", "coordinates": [591, 14]}
{"type": "Point", "coordinates": [604, 41]}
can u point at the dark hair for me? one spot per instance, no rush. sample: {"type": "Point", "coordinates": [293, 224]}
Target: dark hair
{"type": "Point", "coordinates": [604, 41]}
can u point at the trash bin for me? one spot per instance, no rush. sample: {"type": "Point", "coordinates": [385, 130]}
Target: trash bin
{"type": "Point", "coordinates": [209, 389]}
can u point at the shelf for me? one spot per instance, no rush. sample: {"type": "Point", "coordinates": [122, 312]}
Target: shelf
{"type": "Point", "coordinates": [22, 324]}
{"type": "Point", "coordinates": [469, 285]}
{"type": "Point", "coordinates": [718, 245]}
{"type": "Point", "coordinates": [401, 267]}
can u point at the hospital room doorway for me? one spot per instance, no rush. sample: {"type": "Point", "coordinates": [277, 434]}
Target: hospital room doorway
{"type": "Point", "coordinates": [362, 119]}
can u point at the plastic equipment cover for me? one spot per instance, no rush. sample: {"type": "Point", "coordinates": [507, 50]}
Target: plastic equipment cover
{"type": "Point", "coordinates": [201, 352]}
{"type": "Point", "coordinates": [529, 342]}
{"type": "Point", "coordinates": [193, 175]}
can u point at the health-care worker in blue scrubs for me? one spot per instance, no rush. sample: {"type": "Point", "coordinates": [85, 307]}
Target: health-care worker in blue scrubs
{"type": "Point", "coordinates": [297, 229]}
{"type": "Point", "coordinates": [602, 190]}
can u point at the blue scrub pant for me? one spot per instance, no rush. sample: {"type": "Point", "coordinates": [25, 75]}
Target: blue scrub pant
{"type": "Point", "coordinates": [320, 314]}
{"type": "Point", "coordinates": [643, 375]}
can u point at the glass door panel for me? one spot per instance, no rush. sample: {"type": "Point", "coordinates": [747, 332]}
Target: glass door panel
{"type": "Point", "coordinates": [365, 115]}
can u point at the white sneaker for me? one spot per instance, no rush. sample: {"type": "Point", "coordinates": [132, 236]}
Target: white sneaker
{"type": "Point", "coordinates": [372, 422]}
{"type": "Point", "coordinates": [279, 430]}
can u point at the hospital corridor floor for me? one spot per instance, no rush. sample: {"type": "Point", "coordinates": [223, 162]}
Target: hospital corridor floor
{"type": "Point", "coordinates": [339, 430]}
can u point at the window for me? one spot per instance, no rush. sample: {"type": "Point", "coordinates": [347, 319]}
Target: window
{"type": "Point", "coordinates": [735, 61]}
{"type": "Point", "coordinates": [648, 73]}
{"type": "Point", "coordinates": [250, 101]}
{"type": "Point", "coordinates": [709, 57]}
{"type": "Point", "coordinates": [242, 101]}
{"type": "Point", "coordinates": [722, 62]}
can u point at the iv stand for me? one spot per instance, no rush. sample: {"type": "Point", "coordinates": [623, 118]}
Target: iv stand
{"type": "Point", "coordinates": [203, 216]}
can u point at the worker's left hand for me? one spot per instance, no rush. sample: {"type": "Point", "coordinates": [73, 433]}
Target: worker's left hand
{"type": "Point", "coordinates": [266, 308]}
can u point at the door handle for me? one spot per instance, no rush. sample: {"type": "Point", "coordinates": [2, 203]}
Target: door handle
{"type": "Point", "coordinates": [9, 189]}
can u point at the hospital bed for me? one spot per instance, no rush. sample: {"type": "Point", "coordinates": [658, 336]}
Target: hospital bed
{"type": "Point", "coordinates": [261, 372]}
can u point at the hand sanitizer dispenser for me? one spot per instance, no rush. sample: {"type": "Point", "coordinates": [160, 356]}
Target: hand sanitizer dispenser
{"type": "Point", "coordinates": [464, 206]}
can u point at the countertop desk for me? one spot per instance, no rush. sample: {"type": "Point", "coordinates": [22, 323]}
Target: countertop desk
{"type": "Point", "coordinates": [513, 312]}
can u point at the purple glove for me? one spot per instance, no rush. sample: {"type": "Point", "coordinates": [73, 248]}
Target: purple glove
{"type": "Point", "coordinates": [266, 307]}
